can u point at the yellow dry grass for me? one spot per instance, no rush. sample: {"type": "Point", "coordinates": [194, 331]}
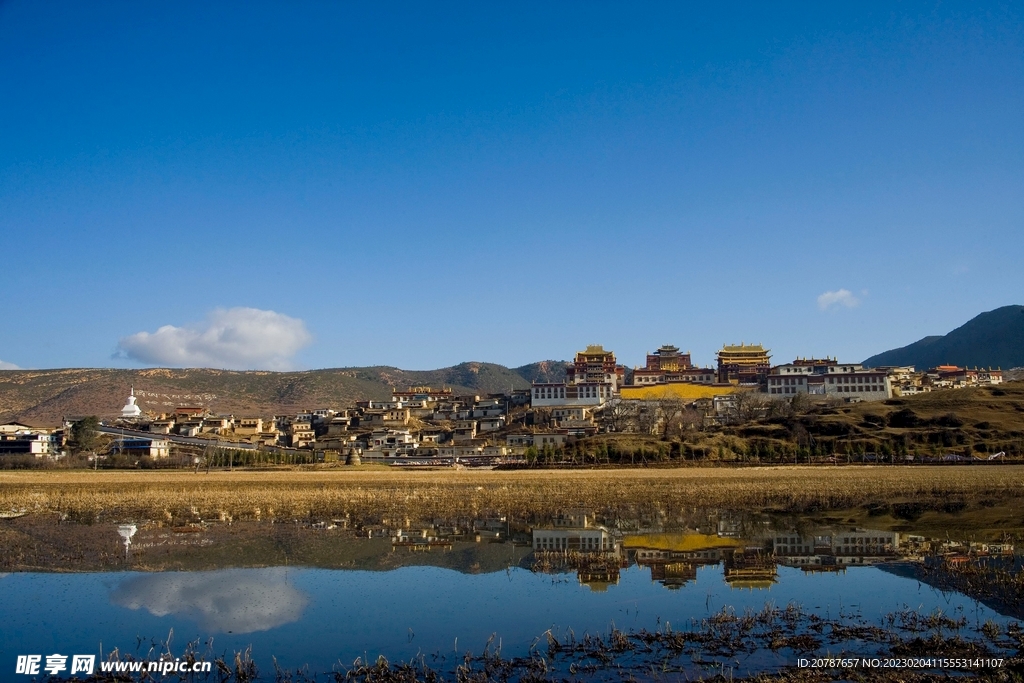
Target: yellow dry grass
{"type": "Point", "coordinates": [392, 495]}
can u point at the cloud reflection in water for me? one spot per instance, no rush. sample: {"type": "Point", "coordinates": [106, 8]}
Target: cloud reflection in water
{"type": "Point", "coordinates": [236, 600]}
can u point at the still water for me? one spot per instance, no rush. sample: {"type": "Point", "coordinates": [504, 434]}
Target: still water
{"type": "Point", "coordinates": [436, 590]}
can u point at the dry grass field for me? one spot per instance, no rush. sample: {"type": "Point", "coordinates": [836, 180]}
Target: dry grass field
{"type": "Point", "coordinates": [393, 495]}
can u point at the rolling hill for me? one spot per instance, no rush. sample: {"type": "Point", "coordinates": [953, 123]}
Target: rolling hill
{"type": "Point", "coordinates": [43, 397]}
{"type": "Point", "coordinates": [992, 339]}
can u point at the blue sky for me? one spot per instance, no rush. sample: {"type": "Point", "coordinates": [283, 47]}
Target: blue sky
{"type": "Point", "coordinates": [327, 184]}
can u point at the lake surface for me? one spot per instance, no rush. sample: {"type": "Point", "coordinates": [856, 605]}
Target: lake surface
{"type": "Point", "coordinates": [440, 590]}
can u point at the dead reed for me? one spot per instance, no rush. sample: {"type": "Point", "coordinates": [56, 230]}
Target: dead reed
{"type": "Point", "coordinates": [394, 495]}
{"type": "Point", "coordinates": [711, 649]}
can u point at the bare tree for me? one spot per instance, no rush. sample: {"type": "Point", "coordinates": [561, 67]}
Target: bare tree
{"type": "Point", "coordinates": [777, 407]}
{"type": "Point", "coordinates": [691, 419]}
{"type": "Point", "coordinates": [671, 410]}
{"type": "Point", "coordinates": [621, 416]}
{"type": "Point", "coordinates": [800, 403]}
{"type": "Point", "coordinates": [647, 416]}
{"type": "Point", "coordinates": [833, 401]}
{"type": "Point", "coordinates": [750, 406]}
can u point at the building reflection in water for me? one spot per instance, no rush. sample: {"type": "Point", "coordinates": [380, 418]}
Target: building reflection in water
{"type": "Point", "coordinates": [749, 549]}
{"type": "Point", "coordinates": [836, 550]}
{"type": "Point", "coordinates": [573, 541]}
{"type": "Point", "coordinates": [748, 560]}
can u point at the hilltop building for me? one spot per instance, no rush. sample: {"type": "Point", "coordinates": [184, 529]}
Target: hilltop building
{"type": "Point", "coordinates": [828, 377]}
{"type": "Point", "coordinates": [743, 364]}
{"type": "Point", "coordinates": [593, 378]}
{"type": "Point", "coordinates": [594, 365]}
{"type": "Point", "coordinates": [955, 377]}
{"type": "Point", "coordinates": [667, 365]}
{"type": "Point", "coordinates": [422, 395]}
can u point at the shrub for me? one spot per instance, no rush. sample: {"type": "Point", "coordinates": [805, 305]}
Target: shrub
{"type": "Point", "coordinates": [949, 420]}
{"type": "Point", "coordinates": [904, 418]}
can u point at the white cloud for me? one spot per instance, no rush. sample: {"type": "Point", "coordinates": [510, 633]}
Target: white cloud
{"type": "Point", "coordinates": [234, 338]}
{"type": "Point", "coordinates": [8, 366]}
{"type": "Point", "coordinates": [840, 297]}
{"type": "Point", "coordinates": [236, 600]}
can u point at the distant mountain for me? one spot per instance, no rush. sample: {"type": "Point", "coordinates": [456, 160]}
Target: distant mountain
{"type": "Point", "coordinates": [995, 339]}
{"type": "Point", "coordinates": [44, 396]}
{"type": "Point", "coordinates": [544, 371]}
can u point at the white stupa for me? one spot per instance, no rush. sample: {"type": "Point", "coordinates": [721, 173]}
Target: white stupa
{"type": "Point", "coordinates": [126, 531]}
{"type": "Point", "coordinates": [131, 410]}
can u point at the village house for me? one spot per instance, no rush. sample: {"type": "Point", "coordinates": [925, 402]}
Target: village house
{"type": "Point", "coordinates": [491, 424]}
{"type": "Point", "coordinates": [432, 435]}
{"type": "Point", "coordinates": [301, 432]}
{"type": "Point", "coordinates": [488, 407]}
{"type": "Point", "coordinates": [722, 409]}
{"type": "Point", "coordinates": [380, 405]}
{"type": "Point", "coordinates": [905, 380]}
{"type": "Point", "coordinates": [371, 418]}
{"type": "Point", "coordinates": [390, 443]}
{"type": "Point", "coordinates": [189, 413]}
{"type": "Point", "coordinates": [570, 413]}
{"type": "Point", "coordinates": [341, 443]}
{"type": "Point", "coordinates": [248, 426]}
{"type": "Point", "coordinates": [165, 426]}
{"type": "Point", "coordinates": [339, 424]}
{"type": "Point", "coordinates": [473, 450]}
{"type": "Point", "coordinates": [190, 427]}
{"type": "Point", "coordinates": [955, 377]}
{"type": "Point", "coordinates": [464, 431]}
{"type": "Point", "coordinates": [519, 440]}
{"type": "Point", "coordinates": [422, 410]}
{"type": "Point", "coordinates": [395, 417]}
{"type": "Point", "coordinates": [21, 439]}
{"type": "Point", "coordinates": [447, 414]}
{"type": "Point", "coordinates": [401, 439]}
{"type": "Point", "coordinates": [519, 397]}
{"type": "Point", "coordinates": [270, 436]}
{"type": "Point", "coordinates": [542, 439]}
{"type": "Point", "coordinates": [322, 415]}
{"type": "Point", "coordinates": [577, 427]}
{"type": "Point", "coordinates": [10, 428]}
{"type": "Point", "coordinates": [574, 420]}
{"type": "Point", "coordinates": [141, 446]}
{"type": "Point", "coordinates": [422, 402]}
{"type": "Point", "coordinates": [220, 424]}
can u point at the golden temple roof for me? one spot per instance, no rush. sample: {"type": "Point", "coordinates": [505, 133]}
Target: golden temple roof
{"type": "Point", "coordinates": [743, 348]}
{"type": "Point", "coordinates": [595, 349]}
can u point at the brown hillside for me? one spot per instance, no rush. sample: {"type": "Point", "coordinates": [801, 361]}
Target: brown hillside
{"type": "Point", "coordinates": [43, 397]}
{"type": "Point", "coordinates": [965, 421]}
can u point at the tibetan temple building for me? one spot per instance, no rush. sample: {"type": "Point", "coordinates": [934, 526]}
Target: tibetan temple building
{"type": "Point", "coordinates": [596, 366]}
{"type": "Point", "coordinates": [743, 364]}
{"type": "Point", "coordinates": [593, 378]}
{"type": "Point", "coordinates": [667, 365]}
